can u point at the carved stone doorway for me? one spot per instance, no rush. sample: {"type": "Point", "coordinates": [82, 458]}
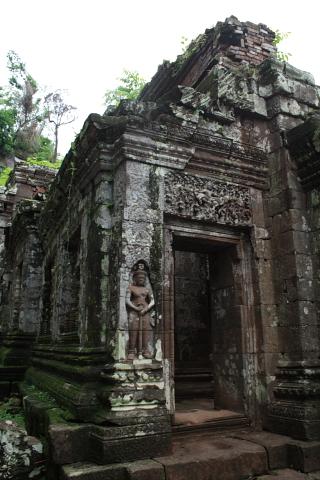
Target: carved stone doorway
{"type": "Point", "coordinates": [205, 305]}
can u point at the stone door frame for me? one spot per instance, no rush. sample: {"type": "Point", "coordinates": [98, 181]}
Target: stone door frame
{"type": "Point", "coordinates": [239, 238]}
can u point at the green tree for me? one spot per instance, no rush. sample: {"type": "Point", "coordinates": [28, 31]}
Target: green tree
{"type": "Point", "coordinates": [21, 105]}
{"type": "Point", "coordinates": [131, 84]}
{"type": "Point", "coordinates": [7, 133]}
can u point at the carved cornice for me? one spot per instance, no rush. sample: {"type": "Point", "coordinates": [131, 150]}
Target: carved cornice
{"type": "Point", "coordinates": [234, 161]}
{"type": "Point", "coordinates": [189, 147]}
{"type": "Point", "coordinates": [198, 198]}
{"type": "Point", "coordinates": [154, 147]}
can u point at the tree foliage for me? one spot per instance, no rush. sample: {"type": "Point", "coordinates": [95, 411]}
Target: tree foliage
{"type": "Point", "coordinates": [7, 122]}
{"type": "Point", "coordinates": [21, 106]}
{"type": "Point", "coordinates": [131, 84]}
{"type": "Point", "coordinates": [279, 37]}
{"type": "Point", "coordinates": [25, 114]}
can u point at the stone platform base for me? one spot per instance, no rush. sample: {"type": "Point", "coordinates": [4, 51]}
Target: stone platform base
{"type": "Point", "coordinates": [236, 456]}
{"type": "Point", "coordinates": [289, 474]}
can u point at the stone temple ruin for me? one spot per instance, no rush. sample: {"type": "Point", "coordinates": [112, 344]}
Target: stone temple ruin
{"type": "Point", "coordinates": [166, 288]}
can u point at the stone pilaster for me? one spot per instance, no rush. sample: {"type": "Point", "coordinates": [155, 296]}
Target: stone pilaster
{"type": "Point", "coordinates": [295, 409]}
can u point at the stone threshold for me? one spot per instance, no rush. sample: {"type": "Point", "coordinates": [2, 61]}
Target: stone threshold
{"type": "Point", "coordinates": [226, 422]}
{"type": "Point", "coordinates": [237, 456]}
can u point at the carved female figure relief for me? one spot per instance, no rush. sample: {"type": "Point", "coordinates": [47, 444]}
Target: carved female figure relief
{"type": "Point", "coordinates": [139, 302]}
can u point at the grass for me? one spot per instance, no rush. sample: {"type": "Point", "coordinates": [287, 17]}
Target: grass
{"type": "Point", "coordinates": [6, 414]}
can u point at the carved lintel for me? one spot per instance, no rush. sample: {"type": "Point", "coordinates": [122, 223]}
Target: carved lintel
{"type": "Point", "coordinates": [199, 198]}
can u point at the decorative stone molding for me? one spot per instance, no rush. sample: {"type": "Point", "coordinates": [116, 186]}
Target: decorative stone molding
{"type": "Point", "coordinates": [295, 410]}
{"type": "Point", "coordinates": [204, 199]}
{"type": "Point", "coordinates": [133, 385]}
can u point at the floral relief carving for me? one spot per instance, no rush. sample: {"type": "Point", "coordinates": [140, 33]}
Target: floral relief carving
{"type": "Point", "coordinates": [199, 198]}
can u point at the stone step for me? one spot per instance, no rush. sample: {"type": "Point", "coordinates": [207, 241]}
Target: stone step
{"type": "Point", "coordinates": [140, 470]}
{"type": "Point", "coordinates": [218, 425]}
{"type": "Point", "coordinates": [289, 474]}
{"type": "Point", "coordinates": [193, 384]}
{"type": "Point", "coordinates": [193, 390]}
{"type": "Point", "coordinates": [195, 458]}
{"type": "Point", "coordinates": [203, 456]}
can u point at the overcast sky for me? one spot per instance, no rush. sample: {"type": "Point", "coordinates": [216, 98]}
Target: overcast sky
{"type": "Point", "coordinates": [83, 46]}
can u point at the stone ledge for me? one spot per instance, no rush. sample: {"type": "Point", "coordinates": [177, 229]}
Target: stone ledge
{"type": "Point", "coordinates": [286, 452]}
{"type": "Point", "coordinates": [140, 470]}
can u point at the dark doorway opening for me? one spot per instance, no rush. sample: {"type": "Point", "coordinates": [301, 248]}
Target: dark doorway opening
{"type": "Point", "coordinates": [208, 354]}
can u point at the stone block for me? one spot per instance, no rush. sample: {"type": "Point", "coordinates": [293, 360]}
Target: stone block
{"type": "Point", "coordinates": [278, 181]}
{"type": "Point", "coordinates": [300, 289]}
{"type": "Point", "coordinates": [69, 443]}
{"type": "Point", "coordinates": [145, 470]}
{"type": "Point", "coordinates": [270, 362]}
{"type": "Point", "coordinates": [284, 474]}
{"type": "Point", "coordinates": [304, 456]}
{"type": "Point", "coordinates": [265, 282]}
{"type": "Point", "coordinates": [210, 457]}
{"type": "Point", "coordinates": [91, 471]}
{"type": "Point", "coordinates": [276, 447]}
{"type": "Point", "coordinates": [295, 199]}
{"type": "Point", "coordinates": [130, 442]}
{"type": "Point", "coordinates": [293, 219]}
{"type": "Point", "coordinates": [304, 266]}
{"type": "Point", "coordinates": [301, 242]}
{"type": "Point", "coordinates": [295, 338]}
{"type": "Point", "coordinates": [257, 208]}
{"type": "Point", "coordinates": [277, 203]}
{"type": "Point", "coordinates": [269, 314]}
{"type": "Point", "coordinates": [274, 143]}
{"type": "Point", "coordinates": [283, 105]}
{"type": "Point", "coordinates": [284, 122]}
{"type": "Point", "coordinates": [270, 339]}
{"type": "Point", "coordinates": [305, 94]}
{"type": "Point", "coordinates": [295, 410]}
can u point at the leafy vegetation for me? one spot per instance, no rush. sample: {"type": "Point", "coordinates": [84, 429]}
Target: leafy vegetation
{"type": "Point", "coordinates": [25, 113]}
{"type": "Point", "coordinates": [44, 155]}
{"type": "Point", "coordinates": [4, 176]}
{"type": "Point", "coordinates": [44, 163]}
{"type": "Point", "coordinates": [12, 412]}
{"type": "Point", "coordinates": [279, 37]}
{"type": "Point", "coordinates": [21, 105]}
{"type": "Point", "coordinates": [7, 121]}
{"type": "Point", "coordinates": [129, 89]}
